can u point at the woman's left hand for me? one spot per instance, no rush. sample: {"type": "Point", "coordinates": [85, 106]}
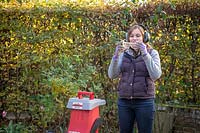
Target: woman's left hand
{"type": "Point", "coordinates": [143, 48]}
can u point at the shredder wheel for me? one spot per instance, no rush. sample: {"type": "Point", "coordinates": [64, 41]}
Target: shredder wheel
{"type": "Point", "coordinates": [96, 124]}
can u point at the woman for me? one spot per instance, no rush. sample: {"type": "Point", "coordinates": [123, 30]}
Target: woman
{"type": "Point", "coordinates": [137, 66]}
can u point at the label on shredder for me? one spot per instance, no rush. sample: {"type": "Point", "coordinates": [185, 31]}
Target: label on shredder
{"type": "Point", "coordinates": [77, 105]}
{"type": "Point", "coordinates": [73, 132]}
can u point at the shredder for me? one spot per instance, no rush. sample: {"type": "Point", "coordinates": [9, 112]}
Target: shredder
{"type": "Point", "coordinates": [84, 115]}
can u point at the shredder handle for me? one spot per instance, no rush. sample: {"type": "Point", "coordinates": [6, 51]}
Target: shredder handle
{"type": "Point", "coordinates": [90, 94]}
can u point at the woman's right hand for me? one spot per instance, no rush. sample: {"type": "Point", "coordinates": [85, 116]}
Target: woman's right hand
{"type": "Point", "coordinates": [119, 48]}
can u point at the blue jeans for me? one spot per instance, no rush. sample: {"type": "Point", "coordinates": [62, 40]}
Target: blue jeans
{"type": "Point", "coordinates": [139, 110]}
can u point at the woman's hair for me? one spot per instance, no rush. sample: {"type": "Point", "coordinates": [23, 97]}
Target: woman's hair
{"type": "Point", "coordinates": [141, 29]}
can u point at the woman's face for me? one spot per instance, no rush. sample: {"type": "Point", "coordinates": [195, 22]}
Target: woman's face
{"type": "Point", "coordinates": [135, 36]}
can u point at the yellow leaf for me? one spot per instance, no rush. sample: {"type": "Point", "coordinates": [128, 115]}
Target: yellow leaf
{"type": "Point", "coordinates": [175, 38]}
{"type": "Point", "coordinates": [43, 16]}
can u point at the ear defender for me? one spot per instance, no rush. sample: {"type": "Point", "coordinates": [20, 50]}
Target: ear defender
{"type": "Point", "coordinates": [146, 34]}
{"type": "Point", "coordinates": [126, 36]}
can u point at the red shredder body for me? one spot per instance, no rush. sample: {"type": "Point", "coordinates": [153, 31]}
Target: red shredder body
{"type": "Point", "coordinates": [84, 117]}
